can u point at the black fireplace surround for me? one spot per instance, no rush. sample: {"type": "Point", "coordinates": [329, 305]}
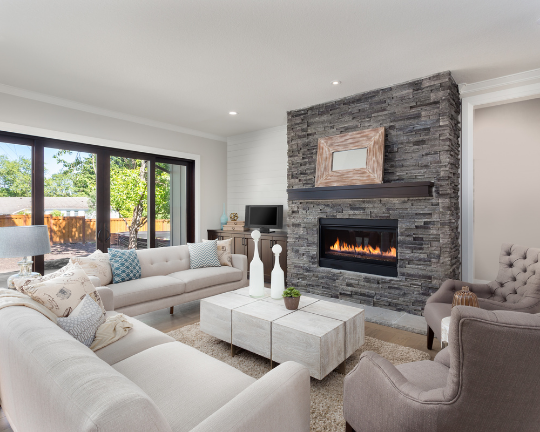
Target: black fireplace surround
{"type": "Point", "coordinates": [359, 245]}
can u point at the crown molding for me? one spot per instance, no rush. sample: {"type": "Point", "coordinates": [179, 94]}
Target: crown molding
{"type": "Point", "coordinates": [518, 78]}
{"type": "Point", "coordinates": [66, 103]}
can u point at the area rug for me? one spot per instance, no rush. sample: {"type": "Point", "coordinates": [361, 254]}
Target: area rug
{"type": "Point", "coordinates": [326, 395]}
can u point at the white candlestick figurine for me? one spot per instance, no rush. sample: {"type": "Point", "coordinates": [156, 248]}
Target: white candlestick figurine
{"type": "Point", "coordinates": [277, 285]}
{"type": "Point", "coordinates": [256, 270]}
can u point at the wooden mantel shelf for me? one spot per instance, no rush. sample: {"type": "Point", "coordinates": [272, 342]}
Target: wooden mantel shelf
{"type": "Point", "coordinates": [421, 189]}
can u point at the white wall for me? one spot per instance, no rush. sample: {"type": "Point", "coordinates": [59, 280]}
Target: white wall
{"type": "Point", "coordinates": [257, 170]}
{"type": "Point", "coordinates": [506, 200]}
{"type": "Point", "coordinates": [19, 114]}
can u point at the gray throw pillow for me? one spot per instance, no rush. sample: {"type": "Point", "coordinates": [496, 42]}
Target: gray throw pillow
{"type": "Point", "coordinates": [203, 254]}
{"type": "Point", "coordinates": [84, 321]}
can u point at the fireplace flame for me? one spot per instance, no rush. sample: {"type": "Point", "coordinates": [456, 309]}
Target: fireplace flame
{"type": "Point", "coordinates": [367, 250]}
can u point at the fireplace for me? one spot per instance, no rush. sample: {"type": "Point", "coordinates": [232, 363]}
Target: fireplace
{"type": "Point", "coordinates": [360, 245]}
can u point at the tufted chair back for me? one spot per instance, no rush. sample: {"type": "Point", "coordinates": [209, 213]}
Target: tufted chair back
{"type": "Point", "coordinates": [518, 280]}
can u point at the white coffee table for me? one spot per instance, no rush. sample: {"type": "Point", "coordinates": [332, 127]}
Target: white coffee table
{"type": "Point", "coordinates": [320, 335]}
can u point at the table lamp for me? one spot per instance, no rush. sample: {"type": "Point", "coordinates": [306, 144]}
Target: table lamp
{"type": "Point", "coordinates": [24, 241]}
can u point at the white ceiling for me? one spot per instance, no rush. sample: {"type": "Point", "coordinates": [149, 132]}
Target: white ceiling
{"type": "Point", "coordinates": [188, 63]}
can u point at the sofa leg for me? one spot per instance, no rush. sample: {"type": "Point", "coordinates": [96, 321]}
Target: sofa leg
{"type": "Point", "coordinates": [171, 310]}
{"type": "Point", "coordinates": [430, 336]}
{"type": "Point", "coordinates": [348, 427]}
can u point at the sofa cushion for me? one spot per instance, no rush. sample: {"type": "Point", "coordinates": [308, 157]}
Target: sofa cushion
{"type": "Point", "coordinates": [84, 321]}
{"type": "Point", "coordinates": [185, 384]}
{"type": "Point", "coordinates": [224, 251]}
{"type": "Point", "coordinates": [63, 293]}
{"type": "Point", "coordinates": [163, 261]}
{"type": "Point", "coordinates": [146, 289]}
{"type": "Point", "coordinates": [139, 338]}
{"type": "Point", "coordinates": [96, 264]}
{"type": "Point", "coordinates": [125, 265]}
{"type": "Point", "coordinates": [202, 255]}
{"type": "Point", "coordinates": [196, 279]}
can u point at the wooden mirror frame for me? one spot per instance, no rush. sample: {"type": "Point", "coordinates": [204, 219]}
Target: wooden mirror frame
{"type": "Point", "coordinates": [372, 139]}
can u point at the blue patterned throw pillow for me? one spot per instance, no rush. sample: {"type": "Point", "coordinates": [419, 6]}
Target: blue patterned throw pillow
{"type": "Point", "coordinates": [203, 255]}
{"type": "Point", "coordinates": [125, 265]}
{"type": "Point", "coordinates": [84, 321]}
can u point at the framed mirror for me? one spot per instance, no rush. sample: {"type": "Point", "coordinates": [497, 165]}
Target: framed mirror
{"type": "Point", "coordinates": [349, 159]}
{"type": "Point", "coordinates": [354, 158]}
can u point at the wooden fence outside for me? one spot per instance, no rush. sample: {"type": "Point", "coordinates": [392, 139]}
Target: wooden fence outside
{"type": "Point", "coordinates": [76, 229]}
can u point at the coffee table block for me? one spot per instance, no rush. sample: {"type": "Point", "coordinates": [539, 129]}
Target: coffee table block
{"type": "Point", "coordinates": [352, 317]}
{"type": "Point", "coordinates": [245, 292]}
{"type": "Point", "coordinates": [316, 341]}
{"type": "Point", "coordinates": [216, 314]}
{"type": "Point", "coordinates": [304, 301]}
{"type": "Point", "coordinates": [252, 327]}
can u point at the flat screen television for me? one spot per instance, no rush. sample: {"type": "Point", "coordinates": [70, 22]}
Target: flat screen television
{"type": "Point", "coordinates": [264, 217]}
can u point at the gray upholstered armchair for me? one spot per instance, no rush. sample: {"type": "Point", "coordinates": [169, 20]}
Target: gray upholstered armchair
{"type": "Point", "coordinates": [517, 288]}
{"type": "Point", "coordinates": [486, 380]}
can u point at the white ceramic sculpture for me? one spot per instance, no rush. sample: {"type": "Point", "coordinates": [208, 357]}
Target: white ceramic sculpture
{"type": "Point", "coordinates": [277, 285]}
{"type": "Point", "coordinates": [256, 270]}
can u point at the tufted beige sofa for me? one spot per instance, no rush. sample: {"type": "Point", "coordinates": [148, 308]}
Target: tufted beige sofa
{"type": "Point", "coordinates": [166, 281]}
{"type": "Point", "coordinates": [144, 382]}
{"type": "Point", "coordinates": [516, 288]}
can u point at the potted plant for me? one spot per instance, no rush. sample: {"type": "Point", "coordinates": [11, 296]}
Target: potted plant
{"type": "Point", "coordinates": [291, 297]}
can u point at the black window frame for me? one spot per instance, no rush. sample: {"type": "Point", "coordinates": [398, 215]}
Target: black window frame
{"type": "Point", "coordinates": [38, 145]}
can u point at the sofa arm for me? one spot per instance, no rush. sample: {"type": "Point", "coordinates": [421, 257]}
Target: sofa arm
{"type": "Point", "coordinates": [278, 402]}
{"type": "Point", "coordinates": [376, 392]}
{"type": "Point", "coordinates": [525, 305]}
{"type": "Point", "coordinates": [107, 297]}
{"type": "Point", "coordinates": [445, 293]}
{"type": "Point", "coordinates": [240, 262]}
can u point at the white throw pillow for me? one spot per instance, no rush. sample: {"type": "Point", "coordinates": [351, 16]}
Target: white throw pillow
{"type": "Point", "coordinates": [96, 264]}
{"type": "Point", "coordinates": [224, 251]}
{"type": "Point", "coordinates": [84, 321]}
{"type": "Point", "coordinates": [63, 293]}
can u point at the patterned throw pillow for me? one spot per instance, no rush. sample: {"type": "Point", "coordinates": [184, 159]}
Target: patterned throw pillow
{"type": "Point", "coordinates": [96, 264]}
{"type": "Point", "coordinates": [63, 293]}
{"type": "Point", "coordinates": [125, 265]}
{"type": "Point", "coordinates": [224, 251]}
{"type": "Point", "coordinates": [84, 321]}
{"type": "Point", "coordinates": [203, 254]}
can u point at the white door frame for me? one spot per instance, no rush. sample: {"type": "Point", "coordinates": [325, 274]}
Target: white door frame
{"type": "Point", "coordinates": [468, 105]}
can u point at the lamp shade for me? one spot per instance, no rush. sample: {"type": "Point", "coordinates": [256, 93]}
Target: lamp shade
{"type": "Point", "coordinates": [24, 241]}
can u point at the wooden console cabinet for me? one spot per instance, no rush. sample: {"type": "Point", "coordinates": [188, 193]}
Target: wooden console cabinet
{"type": "Point", "coordinates": [243, 244]}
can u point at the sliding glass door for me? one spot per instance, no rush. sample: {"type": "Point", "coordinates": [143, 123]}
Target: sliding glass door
{"type": "Point", "coordinates": [15, 193]}
{"type": "Point", "coordinates": [171, 204]}
{"type": "Point", "coordinates": [94, 197]}
{"type": "Point", "coordinates": [70, 204]}
{"type": "Point", "coordinates": [129, 194]}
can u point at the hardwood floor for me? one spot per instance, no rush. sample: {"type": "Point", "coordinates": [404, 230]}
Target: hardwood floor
{"type": "Point", "coordinates": [189, 313]}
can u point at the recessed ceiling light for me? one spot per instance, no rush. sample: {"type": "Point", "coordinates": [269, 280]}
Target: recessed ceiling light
{"type": "Point", "coordinates": [336, 82]}
{"type": "Point", "coordinates": [233, 112]}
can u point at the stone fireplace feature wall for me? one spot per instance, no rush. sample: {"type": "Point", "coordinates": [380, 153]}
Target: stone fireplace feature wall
{"type": "Point", "coordinates": [421, 121]}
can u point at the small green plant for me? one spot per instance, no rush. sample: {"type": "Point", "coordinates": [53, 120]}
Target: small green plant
{"type": "Point", "coordinates": [56, 213]}
{"type": "Point", "coordinates": [291, 292]}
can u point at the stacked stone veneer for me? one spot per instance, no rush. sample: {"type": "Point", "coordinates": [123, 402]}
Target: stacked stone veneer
{"type": "Point", "coordinates": [421, 121]}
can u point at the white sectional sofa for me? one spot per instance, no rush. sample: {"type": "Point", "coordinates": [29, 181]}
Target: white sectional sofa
{"type": "Point", "coordinates": [146, 381]}
{"type": "Point", "coordinates": [168, 281]}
